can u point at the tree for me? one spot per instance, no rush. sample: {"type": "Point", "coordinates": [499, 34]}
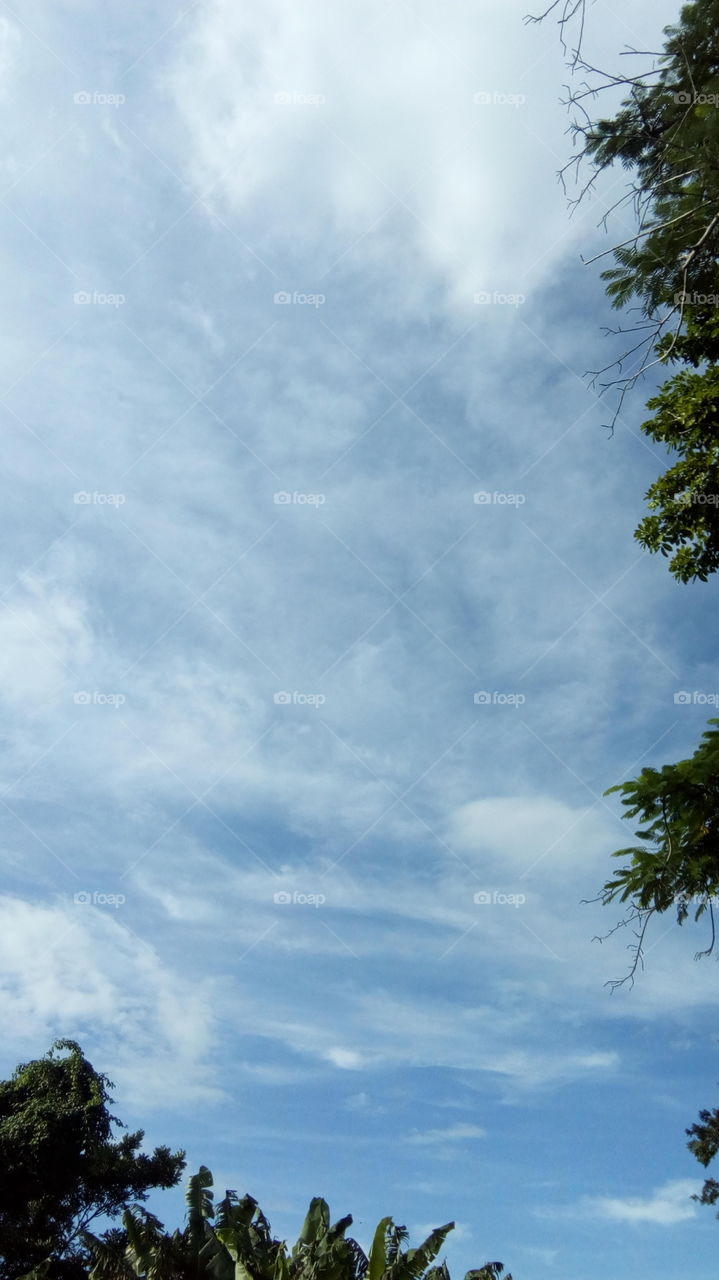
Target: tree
{"type": "Point", "coordinates": [235, 1242]}
{"type": "Point", "coordinates": [60, 1167]}
{"type": "Point", "coordinates": [675, 867]}
{"type": "Point", "coordinates": [665, 135]}
{"type": "Point", "coordinates": [677, 864]}
{"type": "Point", "coordinates": [704, 1143]}
{"type": "Point", "coordinates": [686, 415]}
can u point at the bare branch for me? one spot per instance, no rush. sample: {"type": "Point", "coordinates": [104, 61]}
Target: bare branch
{"type": "Point", "coordinates": [688, 213]}
{"type": "Point", "coordinates": [570, 9]}
{"type": "Point", "coordinates": [710, 948]}
{"type": "Point", "coordinates": [637, 948]}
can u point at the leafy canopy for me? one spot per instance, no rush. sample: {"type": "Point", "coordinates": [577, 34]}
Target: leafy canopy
{"type": "Point", "coordinates": [676, 865]}
{"type": "Point", "coordinates": [665, 135]}
{"type": "Point", "coordinates": [235, 1242]}
{"type": "Point", "coordinates": [59, 1165]}
{"type": "Point", "coordinates": [684, 502]}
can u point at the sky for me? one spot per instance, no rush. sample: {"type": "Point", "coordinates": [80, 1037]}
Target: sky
{"type": "Point", "coordinates": [323, 627]}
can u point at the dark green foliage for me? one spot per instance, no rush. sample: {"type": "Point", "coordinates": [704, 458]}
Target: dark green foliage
{"type": "Point", "coordinates": [235, 1242]}
{"type": "Point", "coordinates": [686, 422]}
{"type": "Point", "coordinates": [677, 863]}
{"type": "Point", "coordinates": [59, 1165]}
{"type": "Point", "coordinates": [61, 1169]}
{"type": "Point", "coordinates": [704, 1143]}
{"type": "Point", "coordinates": [667, 134]}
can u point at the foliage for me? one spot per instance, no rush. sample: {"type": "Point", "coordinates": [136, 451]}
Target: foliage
{"type": "Point", "coordinates": [235, 1242]}
{"type": "Point", "coordinates": [704, 1143]}
{"type": "Point", "coordinates": [59, 1165]}
{"type": "Point", "coordinates": [677, 863]}
{"type": "Point", "coordinates": [665, 135]}
{"type": "Point", "coordinates": [686, 497]}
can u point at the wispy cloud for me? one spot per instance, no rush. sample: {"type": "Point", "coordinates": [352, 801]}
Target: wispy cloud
{"type": "Point", "coordinates": [270, 598]}
{"type": "Point", "coordinates": [453, 1133]}
{"type": "Point", "coordinates": [668, 1205]}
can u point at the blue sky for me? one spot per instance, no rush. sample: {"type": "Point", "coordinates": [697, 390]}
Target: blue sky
{"type": "Point", "coordinates": [305, 747]}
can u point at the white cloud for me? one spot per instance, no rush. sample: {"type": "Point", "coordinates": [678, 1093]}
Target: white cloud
{"type": "Point", "coordinates": [345, 1059]}
{"type": "Point", "coordinates": [453, 1133]}
{"type": "Point", "coordinates": [393, 130]}
{"type": "Point", "coordinates": [396, 144]}
{"type": "Point", "coordinates": [45, 638]}
{"type": "Point", "coordinates": [418, 982]}
{"type": "Point", "coordinates": [668, 1205]}
{"type": "Point", "coordinates": [526, 832]}
{"type": "Point", "coordinates": [75, 971]}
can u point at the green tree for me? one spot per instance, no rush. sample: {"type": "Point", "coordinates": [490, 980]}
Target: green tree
{"type": "Point", "coordinates": [60, 1167]}
{"type": "Point", "coordinates": [686, 416]}
{"type": "Point", "coordinates": [665, 136]}
{"type": "Point", "coordinates": [666, 133]}
{"type": "Point", "coordinates": [234, 1242]}
{"type": "Point", "coordinates": [704, 1143]}
{"type": "Point", "coordinates": [676, 865]}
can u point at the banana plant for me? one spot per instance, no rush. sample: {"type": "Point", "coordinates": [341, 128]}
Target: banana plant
{"type": "Point", "coordinates": [234, 1242]}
